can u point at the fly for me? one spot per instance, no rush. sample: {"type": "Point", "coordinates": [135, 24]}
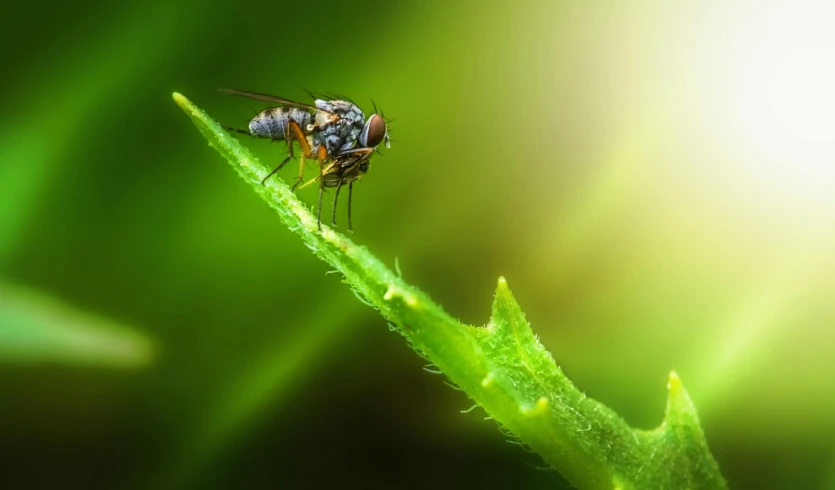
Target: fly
{"type": "Point", "coordinates": [335, 133]}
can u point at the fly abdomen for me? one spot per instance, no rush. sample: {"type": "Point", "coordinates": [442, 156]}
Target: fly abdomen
{"type": "Point", "coordinates": [272, 123]}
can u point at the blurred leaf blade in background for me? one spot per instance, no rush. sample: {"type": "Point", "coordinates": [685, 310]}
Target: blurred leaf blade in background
{"type": "Point", "coordinates": [502, 366]}
{"type": "Point", "coordinates": [37, 329]}
{"type": "Point", "coordinates": [272, 375]}
{"type": "Point", "coordinates": [101, 75]}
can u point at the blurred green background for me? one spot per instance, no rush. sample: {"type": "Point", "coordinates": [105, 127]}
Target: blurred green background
{"type": "Point", "coordinates": [655, 179]}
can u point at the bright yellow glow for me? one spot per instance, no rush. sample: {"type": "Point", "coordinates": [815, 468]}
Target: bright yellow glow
{"type": "Point", "coordinates": [779, 99]}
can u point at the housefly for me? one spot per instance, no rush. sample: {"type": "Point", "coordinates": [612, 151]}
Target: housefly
{"type": "Point", "coordinates": [335, 133]}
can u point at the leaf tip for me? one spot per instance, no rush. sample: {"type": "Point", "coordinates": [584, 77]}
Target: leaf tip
{"type": "Point", "coordinates": [502, 283]}
{"type": "Point", "coordinates": [680, 408]}
{"type": "Point", "coordinates": [674, 385]}
{"type": "Point", "coordinates": [180, 99]}
{"type": "Point", "coordinates": [506, 313]}
{"type": "Point", "coordinates": [682, 428]}
{"type": "Point", "coordinates": [504, 304]}
{"type": "Point", "coordinates": [503, 294]}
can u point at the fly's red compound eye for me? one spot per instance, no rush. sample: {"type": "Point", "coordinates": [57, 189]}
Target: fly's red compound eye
{"type": "Point", "coordinates": [373, 132]}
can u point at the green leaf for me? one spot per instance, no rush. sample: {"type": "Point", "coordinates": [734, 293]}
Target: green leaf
{"type": "Point", "coordinates": [268, 379]}
{"type": "Point", "coordinates": [35, 329]}
{"type": "Point", "coordinates": [501, 366]}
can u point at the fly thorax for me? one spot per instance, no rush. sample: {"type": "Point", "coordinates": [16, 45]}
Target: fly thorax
{"type": "Point", "coordinates": [333, 142]}
{"type": "Point", "coordinates": [339, 122]}
{"type": "Point", "coordinates": [323, 119]}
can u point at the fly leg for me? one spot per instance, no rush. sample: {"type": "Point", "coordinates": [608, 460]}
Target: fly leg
{"type": "Point", "coordinates": [319, 208]}
{"type": "Point", "coordinates": [321, 191]}
{"type": "Point", "coordinates": [322, 158]}
{"type": "Point", "coordinates": [293, 132]}
{"type": "Point", "coordinates": [335, 198]}
{"type": "Point", "coordinates": [280, 165]}
{"type": "Point", "coordinates": [288, 139]}
{"type": "Point", "coordinates": [320, 155]}
{"type": "Point", "coordinates": [350, 192]}
{"type": "Point", "coordinates": [301, 174]}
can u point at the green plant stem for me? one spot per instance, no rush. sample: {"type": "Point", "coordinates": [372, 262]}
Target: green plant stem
{"type": "Point", "coordinates": [501, 366]}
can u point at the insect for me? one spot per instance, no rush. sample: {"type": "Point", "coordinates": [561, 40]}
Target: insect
{"type": "Point", "coordinates": [335, 133]}
{"type": "Point", "coordinates": [346, 169]}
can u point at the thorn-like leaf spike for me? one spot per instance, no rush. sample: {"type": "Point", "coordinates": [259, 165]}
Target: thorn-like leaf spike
{"type": "Point", "coordinates": [680, 409]}
{"type": "Point", "coordinates": [682, 429]}
{"type": "Point", "coordinates": [505, 307]}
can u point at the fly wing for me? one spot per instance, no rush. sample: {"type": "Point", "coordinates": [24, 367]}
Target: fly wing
{"type": "Point", "coordinates": [270, 98]}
